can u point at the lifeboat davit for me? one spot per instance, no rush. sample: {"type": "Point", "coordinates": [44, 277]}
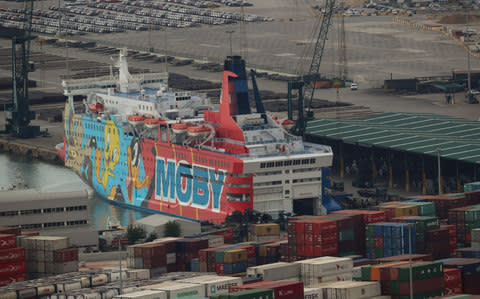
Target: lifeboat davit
{"type": "Point", "coordinates": [96, 108]}
{"type": "Point", "coordinates": [288, 124]}
{"type": "Point", "coordinates": [136, 120]}
{"type": "Point", "coordinates": [151, 123]}
{"type": "Point", "coordinates": [198, 131]}
{"type": "Point", "coordinates": [179, 128]}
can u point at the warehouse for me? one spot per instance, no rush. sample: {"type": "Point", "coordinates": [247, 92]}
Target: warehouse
{"type": "Point", "coordinates": [403, 149]}
{"type": "Point", "coordinates": [50, 213]}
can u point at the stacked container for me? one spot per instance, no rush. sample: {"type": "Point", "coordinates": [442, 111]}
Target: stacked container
{"type": "Point", "coordinates": [470, 269]}
{"type": "Point", "coordinates": [346, 234]}
{"type": "Point", "coordinates": [325, 269]}
{"type": "Point", "coordinates": [275, 271]}
{"type": "Point", "coordinates": [281, 289]}
{"type": "Point", "coordinates": [427, 278]}
{"type": "Point", "coordinates": [437, 243]}
{"type": "Point", "coordinates": [150, 256]}
{"type": "Point", "coordinates": [465, 219]}
{"type": "Point", "coordinates": [234, 261]}
{"type": "Point", "coordinates": [422, 224]}
{"type": "Point", "coordinates": [177, 289]}
{"type": "Point", "coordinates": [263, 232]}
{"type": "Point", "coordinates": [452, 237]}
{"type": "Point", "coordinates": [452, 279]}
{"type": "Point", "coordinates": [214, 285]}
{"type": "Point", "coordinates": [12, 259]}
{"type": "Point", "coordinates": [351, 290]}
{"type": "Point", "coordinates": [476, 238]}
{"type": "Point", "coordinates": [188, 250]}
{"type": "Point", "coordinates": [47, 255]}
{"type": "Point", "coordinates": [389, 239]}
{"type": "Point", "coordinates": [398, 209]}
{"type": "Point", "coordinates": [316, 237]}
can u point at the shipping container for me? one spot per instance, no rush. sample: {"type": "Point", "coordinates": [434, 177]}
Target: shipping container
{"type": "Point", "coordinates": [352, 290]}
{"type": "Point", "coordinates": [145, 294]}
{"type": "Point", "coordinates": [138, 274]}
{"type": "Point", "coordinates": [12, 255]}
{"type": "Point", "coordinates": [215, 285]}
{"type": "Point", "coordinates": [275, 271]}
{"type": "Point", "coordinates": [178, 290]}
{"type": "Point", "coordinates": [8, 241]}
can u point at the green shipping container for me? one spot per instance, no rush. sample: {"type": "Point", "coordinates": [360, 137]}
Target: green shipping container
{"type": "Point", "coordinates": [369, 231]}
{"type": "Point", "coordinates": [219, 256]}
{"type": "Point", "coordinates": [378, 252]}
{"type": "Point", "coordinates": [472, 215]}
{"type": "Point", "coordinates": [421, 271]}
{"type": "Point", "coordinates": [432, 294]}
{"type": "Point", "coordinates": [346, 235]}
{"type": "Point", "coordinates": [370, 242]}
{"type": "Point", "coordinates": [252, 294]}
{"type": "Point", "coordinates": [366, 276]}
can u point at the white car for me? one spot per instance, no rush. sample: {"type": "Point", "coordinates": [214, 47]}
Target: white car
{"type": "Point", "coordinates": [353, 86]}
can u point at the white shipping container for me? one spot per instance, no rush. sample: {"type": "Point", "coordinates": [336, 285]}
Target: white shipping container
{"type": "Point", "coordinates": [476, 245]}
{"type": "Point", "coordinates": [138, 262]}
{"type": "Point", "coordinates": [145, 294]}
{"type": "Point", "coordinates": [48, 256]}
{"type": "Point", "coordinates": [8, 295]}
{"type": "Point", "coordinates": [55, 243]}
{"type": "Point", "coordinates": [115, 275]}
{"type": "Point", "coordinates": [179, 290]}
{"type": "Point", "coordinates": [128, 290]}
{"type": "Point", "coordinates": [45, 290]}
{"type": "Point", "coordinates": [275, 271]}
{"type": "Point", "coordinates": [215, 285]}
{"type": "Point", "coordinates": [312, 293]}
{"type": "Point", "coordinates": [26, 292]}
{"type": "Point", "coordinates": [171, 258]}
{"type": "Point", "coordinates": [68, 286]}
{"type": "Point", "coordinates": [98, 279]}
{"type": "Point", "coordinates": [66, 267]}
{"type": "Point", "coordinates": [215, 241]}
{"type": "Point", "coordinates": [352, 290]}
{"type": "Point", "coordinates": [357, 273]}
{"type": "Point", "coordinates": [325, 266]}
{"type": "Point", "coordinates": [138, 274]}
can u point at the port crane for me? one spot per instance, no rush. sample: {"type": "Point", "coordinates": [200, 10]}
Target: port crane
{"type": "Point", "coordinates": [17, 113]}
{"type": "Point", "coordinates": [305, 85]}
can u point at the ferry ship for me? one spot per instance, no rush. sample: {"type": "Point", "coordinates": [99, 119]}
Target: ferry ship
{"type": "Point", "coordinates": [140, 144]}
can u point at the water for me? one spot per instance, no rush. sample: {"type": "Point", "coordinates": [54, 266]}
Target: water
{"type": "Point", "coordinates": [51, 178]}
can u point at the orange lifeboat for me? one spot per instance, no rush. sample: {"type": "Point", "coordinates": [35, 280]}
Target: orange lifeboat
{"type": "Point", "coordinates": [136, 120]}
{"type": "Point", "coordinates": [96, 108]}
{"type": "Point", "coordinates": [151, 123]}
{"type": "Point", "coordinates": [179, 128]}
{"type": "Point", "coordinates": [198, 131]}
{"type": "Point", "coordinates": [288, 124]}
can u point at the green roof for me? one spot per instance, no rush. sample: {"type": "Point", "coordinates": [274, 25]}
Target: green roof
{"type": "Point", "coordinates": [419, 133]}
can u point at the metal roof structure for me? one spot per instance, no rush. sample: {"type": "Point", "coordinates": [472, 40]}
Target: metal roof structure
{"type": "Point", "coordinates": [418, 133]}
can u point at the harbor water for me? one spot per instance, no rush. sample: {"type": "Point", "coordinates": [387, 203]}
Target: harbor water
{"type": "Point", "coordinates": [18, 172]}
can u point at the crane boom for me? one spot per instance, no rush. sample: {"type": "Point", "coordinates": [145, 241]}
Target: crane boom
{"type": "Point", "coordinates": [318, 50]}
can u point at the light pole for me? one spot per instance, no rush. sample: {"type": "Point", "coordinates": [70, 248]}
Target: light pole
{"type": "Point", "coordinates": [439, 170]}
{"type": "Point", "coordinates": [230, 37]}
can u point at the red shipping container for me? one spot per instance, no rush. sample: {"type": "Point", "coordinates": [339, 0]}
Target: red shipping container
{"type": "Point", "coordinates": [153, 250]}
{"type": "Point", "coordinates": [320, 239]}
{"type": "Point", "coordinates": [251, 251]}
{"type": "Point", "coordinates": [324, 226]}
{"type": "Point", "coordinates": [452, 276]}
{"type": "Point", "coordinates": [300, 238]}
{"type": "Point", "coordinates": [65, 255]}
{"type": "Point", "coordinates": [219, 268]}
{"type": "Point", "coordinates": [8, 241]}
{"type": "Point", "coordinates": [33, 234]}
{"type": "Point", "coordinates": [308, 238]}
{"type": "Point", "coordinates": [309, 250]}
{"type": "Point", "coordinates": [285, 290]}
{"type": "Point", "coordinates": [8, 279]}
{"type": "Point", "coordinates": [5, 230]}
{"type": "Point", "coordinates": [12, 268]}
{"type": "Point", "coordinates": [174, 268]}
{"type": "Point", "coordinates": [378, 242]}
{"type": "Point", "coordinates": [301, 250]}
{"type": "Point", "coordinates": [154, 262]}
{"type": "Point", "coordinates": [300, 226]}
{"type": "Point", "coordinates": [374, 217]}
{"type": "Point", "coordinates": [226, 233]}
{"type": "Point", "coordinates": [12, 255]}
{"type": "Point", "coordinates": [326, 249]}
{"type": "Point", "coordinates": [453, 290]}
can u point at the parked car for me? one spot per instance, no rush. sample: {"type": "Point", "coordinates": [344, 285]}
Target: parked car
{"type": "Point", "coordinates": [353, 86]}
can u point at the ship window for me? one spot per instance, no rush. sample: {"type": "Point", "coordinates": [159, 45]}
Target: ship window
{"type": "Point", "coordinates": [287, 191]}
{"type": "Point", "coordinates": [305, 161]}
{"type": "Point", "coordinates": [163, 133]}
{"type": "Point", "coordinates": [270, 164]}
{"type": "Point", "coordinates": [279, 164]}
{"type": "Point", "coordinates": [312, 161]}
{"type": "Point", "coordinates": [296, 162]}
{"type": "Point", "coordinates": [287, 163]}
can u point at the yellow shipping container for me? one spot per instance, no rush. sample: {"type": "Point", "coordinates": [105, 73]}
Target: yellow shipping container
{"type": "Point", "coordinates": [235, 255]}
{"type": "Point", "coordinates": [406, 211]}
{"type": "Point", "coordinates": [266, 229]}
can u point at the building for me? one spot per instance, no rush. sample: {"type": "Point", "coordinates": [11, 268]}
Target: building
{"type": "Point", "coordinates": [50, 213]}
{"type": "Point", "coordinates": [156, 224]}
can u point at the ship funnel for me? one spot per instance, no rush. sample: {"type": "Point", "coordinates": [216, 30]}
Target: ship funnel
{"type": "Point", "coordinates": [240, 103]}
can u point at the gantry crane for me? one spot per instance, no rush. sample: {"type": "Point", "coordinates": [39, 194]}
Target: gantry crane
{"type": "Point", "coordinates": [17, 113]}
{"type": "Point", "coordinates": [306, 84]}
